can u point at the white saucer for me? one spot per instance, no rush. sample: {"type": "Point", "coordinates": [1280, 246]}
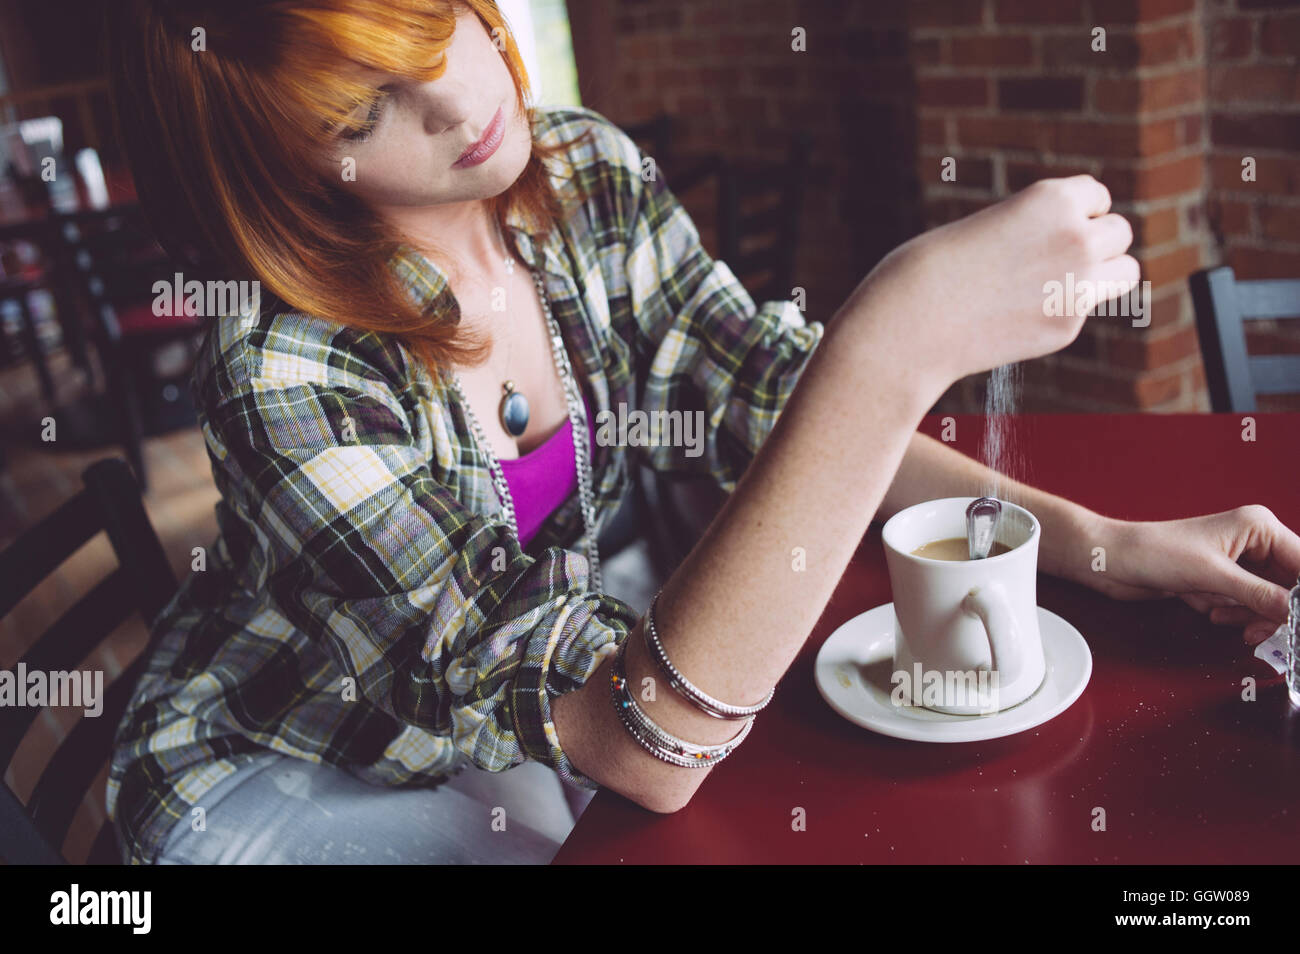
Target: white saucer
{"type": "Point", "coordinates": [855, 663]}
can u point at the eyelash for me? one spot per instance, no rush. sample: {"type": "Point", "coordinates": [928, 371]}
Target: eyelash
{"type": "Point", "coordinates": [365, 131]}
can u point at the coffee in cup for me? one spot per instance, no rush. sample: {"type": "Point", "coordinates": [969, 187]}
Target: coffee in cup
{"type": "Point", "coordinates": [966, 638]}
{"type": "Point", "coordinates": [954, 548]}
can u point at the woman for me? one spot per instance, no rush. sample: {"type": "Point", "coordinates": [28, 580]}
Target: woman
{"type": "Point", "coordinates": [405, 589]}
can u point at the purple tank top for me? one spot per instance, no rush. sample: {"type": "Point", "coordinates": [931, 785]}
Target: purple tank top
{"type": "Point", "coordinates": [542, 479]}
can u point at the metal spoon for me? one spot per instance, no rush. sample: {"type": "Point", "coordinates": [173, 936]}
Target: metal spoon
{"type": "Point", "coordinates": [982, 518]}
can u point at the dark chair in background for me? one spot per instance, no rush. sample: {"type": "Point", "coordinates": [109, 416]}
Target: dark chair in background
{"type": "Point", "coordinates": [147, 358]}
{"type": "Point", "coordinates": [1223, 305]}
{"type": "Point", "coordinates": [759, 205]}
{"type": "Point", "coordinates": [142, 583]}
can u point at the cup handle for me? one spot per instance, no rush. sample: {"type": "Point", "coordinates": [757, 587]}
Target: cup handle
{"type": "Point", "coordinates": [992, 605]}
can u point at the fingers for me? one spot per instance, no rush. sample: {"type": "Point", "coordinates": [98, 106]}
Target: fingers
{"type": "Point", "coordinates": [1258, 632]}
{"type": "Point", "coordinates": [1236, 616]}
{"type": "Point", "coordinates": [1274, 541]}
{"type": "Point", "coordinates": [1090, 196]}
{"type": "Point", "coordinates": [1110, 235]}
{"type": "Point", "coordinates": [1255, 593]}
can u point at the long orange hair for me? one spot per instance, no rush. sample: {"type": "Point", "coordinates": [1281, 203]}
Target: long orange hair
{"type": "Point", "coordinates": [220, 144]}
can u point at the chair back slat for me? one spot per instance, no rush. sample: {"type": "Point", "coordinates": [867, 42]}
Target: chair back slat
{"type": "Point", "coordinates": [1275, 373]}
{"type": "Point", "coordinates": [64, 645]}
{"type": "Point", "coordinates": [36, 553]}
{"type": "Point", "coordinates": [73, 768]}
{"type": "Point", "coordinates": [142, 581]}
{"type": "Point", "coordinates": [1268, 299]}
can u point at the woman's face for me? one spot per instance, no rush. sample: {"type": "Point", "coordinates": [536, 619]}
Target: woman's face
{"type": "Point", "coordinates": [408, 147]}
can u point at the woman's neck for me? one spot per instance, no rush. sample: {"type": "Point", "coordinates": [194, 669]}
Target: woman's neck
{"type": "Point", "coordinates": [456, 236]}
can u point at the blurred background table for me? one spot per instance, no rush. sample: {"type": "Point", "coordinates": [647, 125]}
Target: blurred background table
{"type": "Point", "coordinates": [1161, 739]}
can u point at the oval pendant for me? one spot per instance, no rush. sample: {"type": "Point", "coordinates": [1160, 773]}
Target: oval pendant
{"type": "Point", "coordinates": [514, 411]}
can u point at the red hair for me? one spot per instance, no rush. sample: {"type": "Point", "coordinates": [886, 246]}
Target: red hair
{"type": "Point", "coordinates": [219, 141]}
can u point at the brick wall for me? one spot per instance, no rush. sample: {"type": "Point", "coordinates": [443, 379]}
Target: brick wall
{"type": "Point", "coordinates": [1012, 90]}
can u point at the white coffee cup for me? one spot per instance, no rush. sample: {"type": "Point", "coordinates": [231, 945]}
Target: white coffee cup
{"type": "Point", "coordinates": [971, 626]}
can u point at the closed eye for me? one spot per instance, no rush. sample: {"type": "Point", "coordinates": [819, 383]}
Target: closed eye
{"type": "Point", "coordinates": [362, 132]}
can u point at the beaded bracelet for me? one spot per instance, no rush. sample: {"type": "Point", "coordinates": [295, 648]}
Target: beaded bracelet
{"type": "Point", "coordinates": [655, 740]}
{"type": "Point", "coordinates": [683, 686]}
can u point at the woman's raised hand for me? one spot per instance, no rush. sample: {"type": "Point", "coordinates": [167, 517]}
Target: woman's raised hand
{"type": "Point", "coordinates": [973, 294]}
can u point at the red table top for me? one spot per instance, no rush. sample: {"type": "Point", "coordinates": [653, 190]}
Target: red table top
{"type": "Point", "coordinates": [1186, 770]}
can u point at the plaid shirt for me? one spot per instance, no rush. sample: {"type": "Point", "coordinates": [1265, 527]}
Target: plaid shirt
{"type": "Point", "coordinates": [365, 604]}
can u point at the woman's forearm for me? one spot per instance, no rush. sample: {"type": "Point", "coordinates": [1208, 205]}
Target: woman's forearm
{"type": "Point", "coordinates": [735, 614]}
{"type": "Point", "coordinates": [932, 469]}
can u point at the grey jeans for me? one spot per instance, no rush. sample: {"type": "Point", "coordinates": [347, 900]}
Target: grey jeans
{"type": "Point", "coordinates": [282, 810]}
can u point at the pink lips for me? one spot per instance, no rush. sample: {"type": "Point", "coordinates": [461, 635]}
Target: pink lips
{"type": "Point", "coordinates": [486, 145]}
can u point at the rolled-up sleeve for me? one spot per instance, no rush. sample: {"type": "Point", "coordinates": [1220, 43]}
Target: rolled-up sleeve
{"type": "Point", "coordinates": [434, 610]}
{"type": "Point", "coordinates": [702, 344]}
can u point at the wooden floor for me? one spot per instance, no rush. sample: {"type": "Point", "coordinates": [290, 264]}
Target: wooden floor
{"type": "Point", "coordinates": [36, 477]}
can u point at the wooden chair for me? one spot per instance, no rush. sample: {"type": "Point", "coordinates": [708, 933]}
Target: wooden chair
{"type": "Point", "coordinates": [1223, 305]}
{"type": "Point", "coordinates": [759, 206]}
{"type": "Point", "coordinates": [142, 583]}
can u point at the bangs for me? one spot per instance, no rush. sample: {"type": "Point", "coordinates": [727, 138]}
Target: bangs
{"type": "Point", "coordinates": [327, 54]}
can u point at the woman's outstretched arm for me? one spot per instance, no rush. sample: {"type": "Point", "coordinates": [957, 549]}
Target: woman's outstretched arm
{"type": "Point", "coordinates": [961, 299]}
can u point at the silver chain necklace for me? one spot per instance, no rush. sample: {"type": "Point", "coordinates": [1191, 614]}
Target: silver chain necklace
{"type": "Point", "coordinates": [581, 452]}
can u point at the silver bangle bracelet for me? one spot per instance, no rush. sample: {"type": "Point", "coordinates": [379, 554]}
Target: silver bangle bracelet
{"type": "Point", "coordinates": [651, 737]}
{"type": "Point", "coordinates": [683, 686]}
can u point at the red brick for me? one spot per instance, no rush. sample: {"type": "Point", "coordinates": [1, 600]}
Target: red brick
{"type": "Point", "coordinates": [1231, 38]}
{"type": "Point", "coordinates": [1108, 140]}
{"type": "Point", "coordinates": [1280, 222]}
{"type": "Point", "coordinates": [995, 51]}
{"type": "Point", "coordinates": [950, 91]}
{"type": "Point", "coordinates": [1158, 137]}
{"type": "Point", "coordinates": [1139, 11]}
{"type": "Point", "coordinates": [1158, 386]}
{"type": "Point", "coordinates": [1258, 130]}
{"type": "Point", "coordinates": [1046, 93]}
{"type": "Point", "coordinates": [1155, 227]}
{"type": "Point", "coordinates": [945, 13]}
{"type": "Point", "coordinates": [1250, 262]}
{"type": "Point", "coordinates": [971, 172]}
{"type": "Point", "coordinates": [1232, 217]}
{"type": "Point", "coordinates": [1038, 11]}
{"type": "Point", "coordinates": [1170, 267]}
{"type": "Point", "coordinates": [1142, 351]}
{"type": "Point", "coordinates": [1004, 132]}
{"type": "Point", "coordinates": [1274, 175]}
{"type": "Point", "coordinates": [1152, 94]}
{"type": "Point", "coordinates": [1264, 84]}
{"type": "Point", "coordinates": [1130, 183]}
{"type": "Point", "coordinates": [1171, 44]}
{"type": "Point", "coordinates": [1273, 337]}
{"type": "Point", "coordinates": [1280, 35]}
{"type": "Point", "coordinates": [1075, 49]}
